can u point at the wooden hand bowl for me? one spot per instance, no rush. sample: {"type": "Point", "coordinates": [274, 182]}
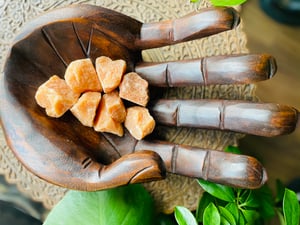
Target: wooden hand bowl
{"type": "Point", "coordinates": [64, 152]}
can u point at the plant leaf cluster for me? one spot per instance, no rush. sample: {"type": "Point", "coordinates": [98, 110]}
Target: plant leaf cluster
{"type": "Point", "coordinates": [222, 205]}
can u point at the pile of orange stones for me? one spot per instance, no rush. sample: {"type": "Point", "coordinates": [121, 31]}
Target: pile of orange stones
{"type": "Point", "coordinates": [95, 97]}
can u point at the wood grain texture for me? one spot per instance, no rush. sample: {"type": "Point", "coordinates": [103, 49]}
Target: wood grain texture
{"type": "Point", "coordinates": [280, 155]}
{"type": "Point", "coordinates": [260, 119]}
{"type": "Point", "coordinates": [190, 27]}
{"type": "Point", "coordinates": [234, 69]}
{"type": "Point", "coordinates": [216, 166]}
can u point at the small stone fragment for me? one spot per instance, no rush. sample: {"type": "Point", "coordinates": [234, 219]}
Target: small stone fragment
{"type": "Point", "coordinates": [134, 89]}
{"type": "Point", "coordinates": [105, 123]}
{"type": "Point", "coordinates": [115, 106]}
{"type": "Point", "coordinates": [139, 122]}
{"type": "Point", "coordinates": [55, 96]}
{"type": "Point", "coordinates": [110, 72]}
{"type": "Point", "coordinates": [85, 108]}
{"type": "Point", "coordinates": [81, 76]}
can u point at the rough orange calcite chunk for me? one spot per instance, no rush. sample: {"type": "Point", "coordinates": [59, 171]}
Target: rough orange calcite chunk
{"type": "Point", "coordinates": [85, 108]}
{"type": "Point", "coordinates": [110, 72]}
{"type": "Point", "coordinates": [115, 106]}
{"type": "Point", "coordinates": [139, 122]}
{"type": "Point", "coordinates": [81, 76]}
{"type": "Point", "coordinates": [55, 96]}
{"type": "Point", "coordinates": [104, 121]}
{"type": "Point", "coordinates": [134, 89]}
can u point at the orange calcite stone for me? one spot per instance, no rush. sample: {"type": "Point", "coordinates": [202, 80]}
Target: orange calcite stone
{"type": "Point", "coordinates": [81, 76]}
{"type": "Point", "coordinates": [85, 108]}
{"type": "Point", "coordinates": [139, 122]}
{"type": "Point", "coordinates": [115, 106]}
{"type": "Point", "coordinates": [104, 121]}
{"type": "Point", "coordinates": [55, 96]}
{"type": "Point", "coordinates": [134, 89]}
{"type": "Point", "coordinates": [110, 72]}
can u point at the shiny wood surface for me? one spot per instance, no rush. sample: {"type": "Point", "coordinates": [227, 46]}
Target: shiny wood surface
{"type": "Point", "coordinates": [234, 69]}
{"type": "Point", "coordinates": [216, 166]}
{"type": "Point", "coordinates": [260, 119]}
{"type": "Point", "coordinates": [192, 26]}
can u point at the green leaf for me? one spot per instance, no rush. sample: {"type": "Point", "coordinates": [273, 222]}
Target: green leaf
{"type": "Point", "coordinates": [280, 217]}
{"type": "Point", "coordinates": [227, 2]}
{"type": "Point", "coordinates": [227, 215]}
{"type": "Point", "coordinates": [250, 216]}
{"type": "Point", "coordinates": [251, 200]}
{"type": "Point", "coordinates": [290, 207]}
{"type": "Point", "coordinates": [211, 215]}
{"type": "Point", "coordinates": [233, 209]}
{"type": "Point", "coordinates": [233, 149]}
{"type": "Point", "coordinates": [130, 205]}
{"type": "Point", "coordinates": [203, 203]}
{"type": "Point", "coordinates": [217, 190]}
{"type": "Point", "coordinates": [184, 216]}
{"type": "Point", "coordinates": [224, 221]}
{"type": "Point", "coordinates": [242, 219]}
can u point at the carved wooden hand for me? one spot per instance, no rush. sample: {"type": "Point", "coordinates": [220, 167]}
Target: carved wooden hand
{"type": "Point", "coordinates": [64, 152]}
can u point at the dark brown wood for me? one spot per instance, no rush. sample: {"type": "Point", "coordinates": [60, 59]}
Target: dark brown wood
{"type": "Point", "coordinates": [193, 26]}
{"type": "Point", "coordinates": [221, 167]}
{"type": "Point", "coordinates": [234, 69]}
{"type": "Point", "coordinates": [64, 152]}
{"type": "Point", "coordinates": [262, 119]}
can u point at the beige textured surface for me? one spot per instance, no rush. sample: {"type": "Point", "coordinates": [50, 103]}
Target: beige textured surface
{"type": "Point", "coordinates": [175, 190]}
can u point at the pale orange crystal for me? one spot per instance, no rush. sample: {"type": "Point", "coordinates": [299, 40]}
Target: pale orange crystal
{"type": "Point", "coordinates": [104, 121]}
{"type": "Point", "coordinates": [85, 108]}
{"type": "Point", "coordinates": [55, 96]}
{"type": "Point", "coordinates": [81, 76]}
{"type": "Point", "coordinates": [110, 72]}
{"type": "Point", "coordinates": [139, 122]}
{"type": "Point", "coordinates": [115, 106]}
{"type": "Point", "coordinates": [134, 89]}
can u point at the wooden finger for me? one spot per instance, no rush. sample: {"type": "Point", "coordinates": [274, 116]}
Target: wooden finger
{"type": "Point", "coordinates": [262, 119]}
{"type": "Point", "coordinates": [193, 26]}
{"type": "Point", "coordinates": [233, 69]}
{"type": "Point", "coordinates": [225, 168]}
